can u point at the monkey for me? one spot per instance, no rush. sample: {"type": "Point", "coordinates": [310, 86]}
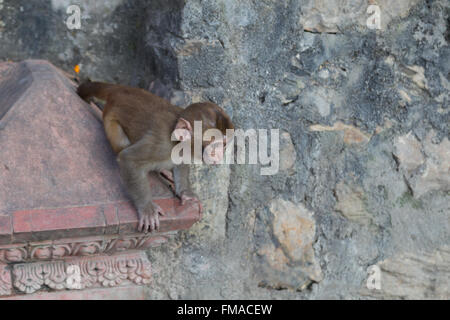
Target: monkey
{"type": "Point", "coordinates": [142, 129]}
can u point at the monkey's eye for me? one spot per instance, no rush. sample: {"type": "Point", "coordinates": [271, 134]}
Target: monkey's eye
{"type": "Point", "coordinates": [212, 141]}
{"type": "Point", "coordinates": [181, 135]}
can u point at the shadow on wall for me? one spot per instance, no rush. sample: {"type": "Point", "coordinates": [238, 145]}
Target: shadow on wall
{"type": "Point", "coordinates": [124, 41]}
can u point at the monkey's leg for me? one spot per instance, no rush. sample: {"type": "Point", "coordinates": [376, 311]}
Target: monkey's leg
{"type": "Point", "coordinates": [134, 172]}
{"type": "Point", "coordinates": [166, 177]}
{"type": "Point", "coordinates": [167, 174]}
{"type": "Point", "coordinates": [183, 187]}
{"type": "Point", "coordinates": [181, 179]}
{"type": "Point", "coordinates": [115, 134]}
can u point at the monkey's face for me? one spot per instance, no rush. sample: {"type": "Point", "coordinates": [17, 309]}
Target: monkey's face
{"type": "Point", "coordinates": [213, 142]}
{"type": "Point", "coordinates": [210, 123]}
{"type": "Point", "coordinates": [214, 150]}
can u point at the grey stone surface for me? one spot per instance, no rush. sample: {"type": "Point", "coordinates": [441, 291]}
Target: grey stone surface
{"type": "Point", "coordinates": [364, 127]}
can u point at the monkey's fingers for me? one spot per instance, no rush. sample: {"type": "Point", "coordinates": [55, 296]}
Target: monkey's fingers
{"type": "Point", "coordinates": [156, 223]}
{"type": "Point", "coordinates": [200, 208]}
{"type": "Point", "coordinates": [160, 211]}
{"type": "Point", "coordinates": [186, 198]}
{"type": "Point", "coordinates": [143, 224]}
{"type": "Point", "coordinates": [153, 222]}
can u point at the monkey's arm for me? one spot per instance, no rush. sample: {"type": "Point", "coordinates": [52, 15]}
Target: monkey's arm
{"type": "Point", "coordinates": [134, 172]}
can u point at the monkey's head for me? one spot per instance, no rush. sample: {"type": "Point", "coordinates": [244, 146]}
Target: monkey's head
{"type": "Point", "coordinates": [213, 134]}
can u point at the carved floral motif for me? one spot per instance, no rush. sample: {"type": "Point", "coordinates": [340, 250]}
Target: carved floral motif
{"type": "Point", "coordinates": [106, 271]}
{"type": "Point", "coordinates": [5, 281]}
{"type": "Point", "coordinates": [78, 247]}
{"type": "Point", "coordinates": [76, 263]}
{"type": "Point", "coordinates": [13, 253]}
{"type": "Point", "coordinates": [28, 278]}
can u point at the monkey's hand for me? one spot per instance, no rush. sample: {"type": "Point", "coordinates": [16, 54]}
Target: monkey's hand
{"type": "Point", "coordinates": [149, 217]}
{"type": "Point", "coordinates": [188, 196]}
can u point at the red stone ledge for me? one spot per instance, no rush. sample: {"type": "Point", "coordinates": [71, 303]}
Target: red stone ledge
{"type": "Point", "coordinates": [115, 218]}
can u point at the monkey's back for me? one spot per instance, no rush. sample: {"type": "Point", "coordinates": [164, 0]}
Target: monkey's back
{"type": "Point", "coordinates": [140, 112]}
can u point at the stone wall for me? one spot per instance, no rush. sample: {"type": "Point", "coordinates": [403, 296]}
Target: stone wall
{"type": "Point", "coordinates": [364, 135]}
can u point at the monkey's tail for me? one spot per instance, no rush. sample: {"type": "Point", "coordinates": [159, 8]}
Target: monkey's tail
{"type": "Point", "coordinates": [89, 89]}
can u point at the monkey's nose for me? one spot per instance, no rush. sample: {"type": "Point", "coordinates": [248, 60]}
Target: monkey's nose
{"type": "Point", "coordinates": [213, 153]}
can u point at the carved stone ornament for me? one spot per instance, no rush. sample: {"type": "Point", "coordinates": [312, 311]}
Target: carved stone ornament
{"type": "Point", "coordinates": [5, 281]}
{"type": "Point", "coordinates": [76, 247]}
{"type": "Point", "coordinates": [80, 273]}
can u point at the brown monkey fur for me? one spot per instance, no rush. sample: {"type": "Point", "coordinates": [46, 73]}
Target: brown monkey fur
{"type": "Point", "coordinates": [139, 125]}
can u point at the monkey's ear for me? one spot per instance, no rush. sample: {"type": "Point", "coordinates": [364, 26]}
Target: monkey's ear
{"type": "Point", "coordinates": [183, 130]}
{"type": "Point", "coordinates": [183, 124]}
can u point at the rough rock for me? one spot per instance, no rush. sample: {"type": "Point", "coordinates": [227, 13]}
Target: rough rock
{"type": "Point", "coordinates": [436, 175]}
{"type": "Point", "coordinates": [351, 136]}
{"type": "Point", "coordinates": [422, 275]}
{"type": "Point", "coordinates": [408, 151]}
{"type": "Point", "coordinates": [334, 16]}
{"type": "Point", "coordinates": [350, 202]}
{"type": "Point", "coordinates": [435, 172]}
{"type": "Point", "coordinates": [366, 110]}
{"type": "Point", "coordinates": [290, 258]}
{"type": "Point", "coordinates": [288, 155]}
